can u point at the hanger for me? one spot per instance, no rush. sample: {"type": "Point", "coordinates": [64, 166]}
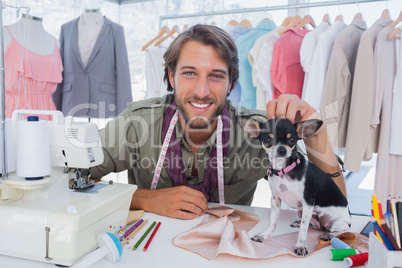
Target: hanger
{"type": "Point", "coordinates": [246, 23]}
{"type": "Point", "coordinates": [286, 21]}
{"type": "Point", "coordinates": [339, 18]}
{"type": "Point", "coordinates": [397, 21]}
{"type": "Point", "coordinates": [394, 34]}
{"type": "Point", "coordinates": [327, 19]}
{"type": "Point", "coordinates": [234, 23]}
{"type": "Point", "coordinates": [295, 20]}
{"type": "Point", "coordinates": [385, 14]}
{"type": "Point", "coordinates": [306, 20]}
{"type": "Point", "coordinates": [164, 30]}
{"type": "Point", "coordinates": [358, 16]}
{"type": "Point", "coordinates": [174, 30]}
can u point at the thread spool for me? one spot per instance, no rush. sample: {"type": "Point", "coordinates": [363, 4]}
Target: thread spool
{"type": "Point", "coordinates": [341, 254]}
{"type": "Point", "coordinates": [33, 150]}
{"type": "Point", "coordinates": [339, 244]}
{"type": "Point", "coordinates": [356, 260]}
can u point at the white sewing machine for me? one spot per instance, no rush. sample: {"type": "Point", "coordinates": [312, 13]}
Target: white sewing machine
{"type": "Point", "coordinates": [57, 219]}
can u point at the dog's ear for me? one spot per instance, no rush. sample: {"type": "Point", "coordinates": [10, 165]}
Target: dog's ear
{"type": "Point", "coordinates": [307, 128]}
{"type": "Point", "coordinates": [251, 126]}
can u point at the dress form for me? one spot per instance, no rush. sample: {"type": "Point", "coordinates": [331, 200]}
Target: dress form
{"type": "Point", "coordinates": [89, 27]}
{"type": "Point", "coordinates": [29, 32]}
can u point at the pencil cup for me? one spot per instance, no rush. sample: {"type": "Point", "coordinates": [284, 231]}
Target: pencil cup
{"type": "Point", "coordinates": [380, 256]}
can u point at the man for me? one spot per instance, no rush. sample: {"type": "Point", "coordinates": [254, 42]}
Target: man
{"type": "Point", "coordinates": [179, 178]}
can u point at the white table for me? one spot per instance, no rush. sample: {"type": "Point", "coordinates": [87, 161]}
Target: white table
{"type": "Point", "coordinates": [162, 253]}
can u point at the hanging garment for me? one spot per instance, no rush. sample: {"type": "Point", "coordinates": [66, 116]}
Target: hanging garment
{"type": "Point", "coordinates": [287, 74]}
{"type": "Point", "coordinates": [235, 32]}
{"type": "Point", "coordinates": [388, 171]}
{"type": "Point", "coordinates": [395, 144]}
{"type": "Point", "coordinates": [154, 70]}
{"type": "Point", "coordinates": [102, 88]}
{"type": "Point", "coordinates": [308, 50]}
{"type": "Point", "coordinates": [244, 44]}
{"type": "Point", "coordinates": [253, 55]}
{"type": "Point", "coordinates": [338, 82]}
{"type": "Point", "coordinates": [262, 68]}
{"type": "Point", "coordinates": [30, 78]}
{"type": "Point", "coordinates": [313, 88]}
{"type": "Point", "coordinates": [362, 140]}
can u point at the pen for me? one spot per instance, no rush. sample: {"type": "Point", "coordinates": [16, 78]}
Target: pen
{"type": "Point", "coordinates": [152, 236]}
{"type": "Point", "coordinates": [144, 235]}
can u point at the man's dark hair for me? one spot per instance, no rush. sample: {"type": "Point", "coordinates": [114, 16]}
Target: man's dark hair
{"type": "Point", "coordinates": [206, 35]}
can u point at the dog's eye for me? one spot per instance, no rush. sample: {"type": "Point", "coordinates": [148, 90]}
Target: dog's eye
{"type": "Point", "coordinates": [267, 142]}
{"type": "Point", "coordinates": [292, 141]}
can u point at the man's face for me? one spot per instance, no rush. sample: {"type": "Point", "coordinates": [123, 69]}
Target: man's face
{"type": "Point", "coordinates": [201, 84]}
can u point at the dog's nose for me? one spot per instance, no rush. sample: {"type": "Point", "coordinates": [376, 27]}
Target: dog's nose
{"type": "Point", "coordinates": [281, 151]}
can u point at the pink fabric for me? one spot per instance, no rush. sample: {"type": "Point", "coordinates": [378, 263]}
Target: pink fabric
{"type": "Point", "coordinates": [287, 74]}
{"type": "Point", "coordinates": [30, 78]}
{"type": "Point", "coordinates": [225, 231]}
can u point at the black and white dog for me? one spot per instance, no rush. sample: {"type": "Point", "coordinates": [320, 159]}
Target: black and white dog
{"type": "Point", "coordinates": [298, 182]}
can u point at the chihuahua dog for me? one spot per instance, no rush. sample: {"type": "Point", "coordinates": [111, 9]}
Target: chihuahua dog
{"type": "Point", "coordinates": [298, 182]}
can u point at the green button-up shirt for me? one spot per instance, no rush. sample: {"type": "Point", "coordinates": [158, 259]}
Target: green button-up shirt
{"type": "Point", "coordinates": [133, 141]}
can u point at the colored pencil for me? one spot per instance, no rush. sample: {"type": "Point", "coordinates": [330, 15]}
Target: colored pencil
{"type": "Point", "coordinates": [396, 223]}
{"type": "Point", "coordinates": [152, 236]}
{"type": "Point", "coordinates": [399, 213]}
{"type": "Point", "coordinates": [376, 213]}
{"type": "Point", "coordinates": [389, 204]}
{"type": "Point", "coordinates": [385, 240]}
{"type": "Point", "coordinates": [389, 235]}
{"type": "Point", "coordinates": [134, 232]}
{"type": "Point", "coordinates": [144, 235]}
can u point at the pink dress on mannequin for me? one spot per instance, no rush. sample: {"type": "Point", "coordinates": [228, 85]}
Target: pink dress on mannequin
{"type": "Point", "coordinates": [30, 78]}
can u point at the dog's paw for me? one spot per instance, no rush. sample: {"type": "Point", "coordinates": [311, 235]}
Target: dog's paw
{"type": "Point", "coordinates": [258, 238]}
{"type": "Point", "coordinates": [301, 251]}
{"type": "Point", "coordinates": [296, 224]}
{"type": "Point", "coordinates": [327, 237]}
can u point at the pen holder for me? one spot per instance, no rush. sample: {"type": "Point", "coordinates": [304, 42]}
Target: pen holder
{"type": "Point", "coordinates": [380, 256]}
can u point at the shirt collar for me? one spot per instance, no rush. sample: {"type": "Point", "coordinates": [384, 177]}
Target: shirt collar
{"type": "Point", "coordinates": [360, 24]}
{"type": "Point", "coordinates": [265, 25]}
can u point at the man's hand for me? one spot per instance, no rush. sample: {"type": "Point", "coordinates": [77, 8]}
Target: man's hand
{"type": "Point", "coordinates": [292, 108]}
{"type": "Point", "coordinates": [180, 202]}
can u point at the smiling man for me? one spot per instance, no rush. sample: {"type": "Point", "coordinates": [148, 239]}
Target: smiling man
{"type": "Point", "coordinates": [187, 148]}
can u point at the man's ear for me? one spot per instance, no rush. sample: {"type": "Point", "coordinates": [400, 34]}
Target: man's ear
{"type": "Point", "coordinates": [251, 126]}
{"type": "Point", "coordinates": [171, 77]}
{"type": "Point", "coordinates": [307, 128]}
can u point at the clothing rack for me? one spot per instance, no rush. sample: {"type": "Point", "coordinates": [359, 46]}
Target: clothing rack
{"type": "Point", "coordinates": [266, 8]}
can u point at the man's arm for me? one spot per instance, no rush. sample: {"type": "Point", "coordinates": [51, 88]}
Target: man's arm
{"type": "Point", "coordinates": [319, 150]}
{"type": "Point", "coordinates": [177, 202]}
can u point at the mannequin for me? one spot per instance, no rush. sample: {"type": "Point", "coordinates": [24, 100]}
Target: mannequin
{"type": "Point", "coordinates": [89, 27]}
{"type": "Point", "coordinates": [96, 77]}
{"type": "Point", "coordinates": [33, 66]}
{"type": "Point", "coordinates": [29, 32]}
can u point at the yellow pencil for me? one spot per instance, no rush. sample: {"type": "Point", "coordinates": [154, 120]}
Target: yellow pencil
{"type": "Point", "coordinates": [376, 212]}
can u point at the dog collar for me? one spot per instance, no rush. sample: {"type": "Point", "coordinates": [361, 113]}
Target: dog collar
{"type": "Point", "coordinates": [285, 170]}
